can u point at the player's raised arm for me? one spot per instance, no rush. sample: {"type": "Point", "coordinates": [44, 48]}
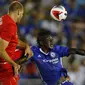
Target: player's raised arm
{"type": "Point", "coordinates": [76, 51]}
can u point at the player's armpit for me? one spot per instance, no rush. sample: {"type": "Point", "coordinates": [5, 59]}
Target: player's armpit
{"type": "Point", "coordinates": [3, 44]}
{"type": "Point", "coordinates": [21, 44]}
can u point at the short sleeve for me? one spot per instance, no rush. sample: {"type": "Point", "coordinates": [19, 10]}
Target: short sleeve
{"type": "Point", "coordinates": [63, 51]}
{"type": "Point", "coordinates": [33, 48]}
{"type": "Point", "coordinates": [7, 32]}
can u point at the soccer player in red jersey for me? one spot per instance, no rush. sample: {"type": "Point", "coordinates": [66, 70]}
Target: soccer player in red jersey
{"type": "Point", "coordinates": [8, 42]}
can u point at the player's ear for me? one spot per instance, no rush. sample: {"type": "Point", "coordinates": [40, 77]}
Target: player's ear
{"type": "Point", "coordinates": [18, 12]}
{"type": "Point", "coordinates": [41, 43]}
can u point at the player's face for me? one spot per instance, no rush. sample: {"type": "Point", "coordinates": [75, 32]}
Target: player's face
{"type": "Point", "coordinates": [49, 42]}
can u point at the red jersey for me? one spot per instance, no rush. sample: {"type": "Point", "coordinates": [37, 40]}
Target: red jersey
{"type": "Point", "coordinates": [8, 32]}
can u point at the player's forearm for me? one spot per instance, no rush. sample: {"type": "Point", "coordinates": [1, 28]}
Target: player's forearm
{"type": "Point", "coordinates": [22, 45]}
{"type": "Point", "coordinates": [76, 51]}
{"type": "Point", "coordinates": [5, 56]}
{"type": "Point", "coordinates": [22, 60]}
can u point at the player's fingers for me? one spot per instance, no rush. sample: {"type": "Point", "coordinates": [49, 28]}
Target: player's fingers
{"type": "Point", "coordinates": [16, 69]}
{"type": "Point", "coordinates": [21, 68]}
{"type": "Point", "coordinates": [25, 53]}
{"type": "Point", "coordinates": [31, 53]}
{"type": "Point", "coordinates": [28, 53]}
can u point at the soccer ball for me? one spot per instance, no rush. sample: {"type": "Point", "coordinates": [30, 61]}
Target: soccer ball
{"type": "Point", "coordinates": [58, 13]}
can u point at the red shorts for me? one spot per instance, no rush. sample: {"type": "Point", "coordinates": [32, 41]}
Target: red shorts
{"type": "Point", "coordinates": [6, 71]}
{"type": "Point", "coordinates": [9, 81]}
{"type": "Point", "coordinates": [6, 75]}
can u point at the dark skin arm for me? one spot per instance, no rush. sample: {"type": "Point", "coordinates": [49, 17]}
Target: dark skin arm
{"type": "Point", "coordinates": [22, 60]}
{"type": "Point", "coordinates": [71, 51]}
{"type": "Point", "coordinates": [76, 51]}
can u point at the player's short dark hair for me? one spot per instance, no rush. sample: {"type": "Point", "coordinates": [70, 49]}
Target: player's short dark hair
{"type": "Point", "coordinates": [42, 34]}
{"type": "Point", "coordinates": [15, 5]}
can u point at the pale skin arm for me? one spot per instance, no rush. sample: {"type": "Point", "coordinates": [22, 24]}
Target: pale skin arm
{"type": "Point", "coordinates": [21, 44]}
{"type": "Point", "coordinates": [26, 47]}
{"type": "Point", "coordinates": [6, 57]}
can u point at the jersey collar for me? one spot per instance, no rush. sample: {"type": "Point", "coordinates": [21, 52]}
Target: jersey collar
{"type": "Point", "coordinates": [10, 18]}
{"type": "Point", "coordinates": [43, 52]}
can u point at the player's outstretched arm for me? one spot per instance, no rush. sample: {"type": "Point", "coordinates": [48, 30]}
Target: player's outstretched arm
{"type": "Point", "coordinates": [76, 51]}
{"type": "Point", "coordinates": [22, 60]}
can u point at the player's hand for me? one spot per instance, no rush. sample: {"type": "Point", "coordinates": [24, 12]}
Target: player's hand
{"type": "Point", "coordinates": [28, 51]}
{"type": "Point", "coordinates": [16, 69]}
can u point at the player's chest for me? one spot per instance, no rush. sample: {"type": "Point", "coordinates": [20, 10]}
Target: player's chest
{"type": "Point", "coordinates": [50, 58]}
{"type": "Point", "coordinates": [14, 38]}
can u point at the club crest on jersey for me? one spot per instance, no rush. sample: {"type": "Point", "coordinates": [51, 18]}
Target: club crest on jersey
{"type": "Point", "coordinates": [52, 54]}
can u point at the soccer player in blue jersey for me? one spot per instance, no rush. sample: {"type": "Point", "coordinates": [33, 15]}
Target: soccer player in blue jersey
{"type": "Point", "coordinates": [47, 57]}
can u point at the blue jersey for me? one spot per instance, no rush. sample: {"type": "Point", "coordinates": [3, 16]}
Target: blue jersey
{"type": "Point", "coordinates": [50, 64]}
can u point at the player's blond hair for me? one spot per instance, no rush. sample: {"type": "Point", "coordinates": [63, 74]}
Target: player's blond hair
{"type": "Point", "coordinates": [14, 6]}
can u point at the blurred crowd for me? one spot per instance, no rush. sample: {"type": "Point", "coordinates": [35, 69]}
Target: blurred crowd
{"type": "Point", "coordinates": [70, 32]}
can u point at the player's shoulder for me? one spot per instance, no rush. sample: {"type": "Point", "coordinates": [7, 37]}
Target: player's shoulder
{"type": "Point", "coordinates": [7, 20]}
{"type": "Point", "coordinates": [35, 48]}
{"type": "Point", "coordinates": [58, 47]}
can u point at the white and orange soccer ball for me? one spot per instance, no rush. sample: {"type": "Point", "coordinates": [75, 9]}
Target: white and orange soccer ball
{"type": "Point", "coordinates": [58, 13]}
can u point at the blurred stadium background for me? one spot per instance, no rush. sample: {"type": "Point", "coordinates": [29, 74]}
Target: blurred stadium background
{"type": "Point", "coordinates": [70, 32]}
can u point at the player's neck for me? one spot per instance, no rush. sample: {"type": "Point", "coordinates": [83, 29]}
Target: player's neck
{"type": "Point", "coordinates": [13, 17]}
{"type": "Point", "coordinates": [46, 50]}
